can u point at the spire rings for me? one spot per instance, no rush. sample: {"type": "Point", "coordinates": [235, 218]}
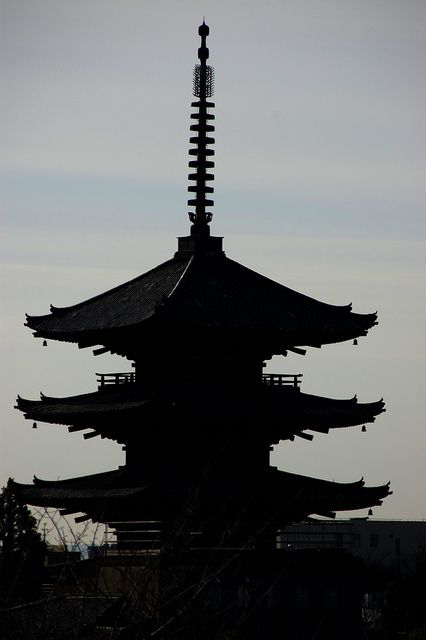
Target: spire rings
{"type": "Point", "coordinates": [202, 88]}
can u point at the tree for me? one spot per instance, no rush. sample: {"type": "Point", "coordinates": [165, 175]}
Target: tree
{"type": "Point", "coordinates": [22, 551]}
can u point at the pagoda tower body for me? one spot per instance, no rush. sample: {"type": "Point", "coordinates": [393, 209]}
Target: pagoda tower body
{"type": "Point", "coordinates": [196, 414]}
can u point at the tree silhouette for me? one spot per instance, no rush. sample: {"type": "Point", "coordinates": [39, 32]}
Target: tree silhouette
{"type": "Point", "coordinates": [22, 551]}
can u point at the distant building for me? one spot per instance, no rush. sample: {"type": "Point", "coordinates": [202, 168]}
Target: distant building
{"type": "Point", "coordinates": [58, 554]}
{"type": "Point", "coordinates": [382, 542]}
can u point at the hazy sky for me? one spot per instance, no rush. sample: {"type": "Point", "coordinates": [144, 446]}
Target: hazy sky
{"type": "Point", "coordinates": [320, 184]}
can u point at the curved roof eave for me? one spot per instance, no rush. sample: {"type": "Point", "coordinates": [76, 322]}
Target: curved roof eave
{"type": "Point", "coordinates": [333, 496]}
{"type": "Point", "coordinates": [85, 319]}
{"type": "Point", "coordinates": [318, 496]}
{"type": "Point", "coordinates": [304, 411]}
{"type": "Point", "coordinates": [205, 293]}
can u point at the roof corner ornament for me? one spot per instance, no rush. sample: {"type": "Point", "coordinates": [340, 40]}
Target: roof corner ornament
{"type": "Point", "coordinates": [203, 83]}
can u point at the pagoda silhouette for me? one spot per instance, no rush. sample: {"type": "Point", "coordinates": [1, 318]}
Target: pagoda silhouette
{"type": "Point", "coordinates": [196, 415]}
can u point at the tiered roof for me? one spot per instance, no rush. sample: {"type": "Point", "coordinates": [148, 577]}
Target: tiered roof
{"type": "Point", "coordinates": [274, 494]}
{"type": "Point", "coordinates": [211, 293]}
{"type": "Point", "coordinates": [121, 413]}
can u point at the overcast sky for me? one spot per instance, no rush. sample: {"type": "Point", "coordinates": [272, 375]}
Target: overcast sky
{"type": "Point", "coordinates": [320, 184]}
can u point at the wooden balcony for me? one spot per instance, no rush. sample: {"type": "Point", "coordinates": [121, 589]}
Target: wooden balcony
{"type": "Point", "coordinates": [113, 379]}
{"type": "Point", "coordinates": [292, 380]}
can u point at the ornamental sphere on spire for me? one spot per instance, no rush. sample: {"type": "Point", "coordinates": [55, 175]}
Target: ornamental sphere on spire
{"type": "Point", "coordinates": [203, 30]}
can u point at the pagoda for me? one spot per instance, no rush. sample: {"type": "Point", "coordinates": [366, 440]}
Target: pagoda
{"type": "Point", "coordinates": [196, 415]}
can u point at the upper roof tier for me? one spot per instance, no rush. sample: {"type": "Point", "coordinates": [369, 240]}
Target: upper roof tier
{"type": "Point", "coordinates": [205, 291]}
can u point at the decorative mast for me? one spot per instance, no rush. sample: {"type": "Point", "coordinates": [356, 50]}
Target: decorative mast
{"type": "Point", "coordinates": [202, 88]}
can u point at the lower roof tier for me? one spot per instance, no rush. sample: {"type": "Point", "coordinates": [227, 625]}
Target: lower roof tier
{"type": "Point", "coordinates": [129, 413]}
{"type": "Point", "coordinates": [272, 495]}
{"type": "Point", "coordinates": [199, 293]}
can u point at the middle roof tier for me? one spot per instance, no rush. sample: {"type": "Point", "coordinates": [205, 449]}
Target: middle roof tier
{"type": "Point", "coordinates": [272, 413]}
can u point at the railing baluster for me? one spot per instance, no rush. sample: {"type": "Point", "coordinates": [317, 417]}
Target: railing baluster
{"type": "Point", "coordinates": [282, 379]}
{"type": "Point", "coordinates": [114, 379]}
{"type": "Point", "coordinates": [269, 379]}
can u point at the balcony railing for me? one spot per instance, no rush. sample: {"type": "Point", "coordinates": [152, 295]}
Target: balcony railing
{"type": "Point", "coordinates": [282, 380]}
{"type": "Point", "coordinates": [270, 379]}
{"type": "Point", "coordinates": [109, 379]}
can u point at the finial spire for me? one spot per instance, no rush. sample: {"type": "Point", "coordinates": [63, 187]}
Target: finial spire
{"type": "Point", "coordinates": [203, 82]}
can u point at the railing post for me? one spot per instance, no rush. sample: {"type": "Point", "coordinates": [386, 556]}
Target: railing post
{"type": "Point", "coordinates": [282, 379]}
{"type": "Point", "coordinates": [114, 379]}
